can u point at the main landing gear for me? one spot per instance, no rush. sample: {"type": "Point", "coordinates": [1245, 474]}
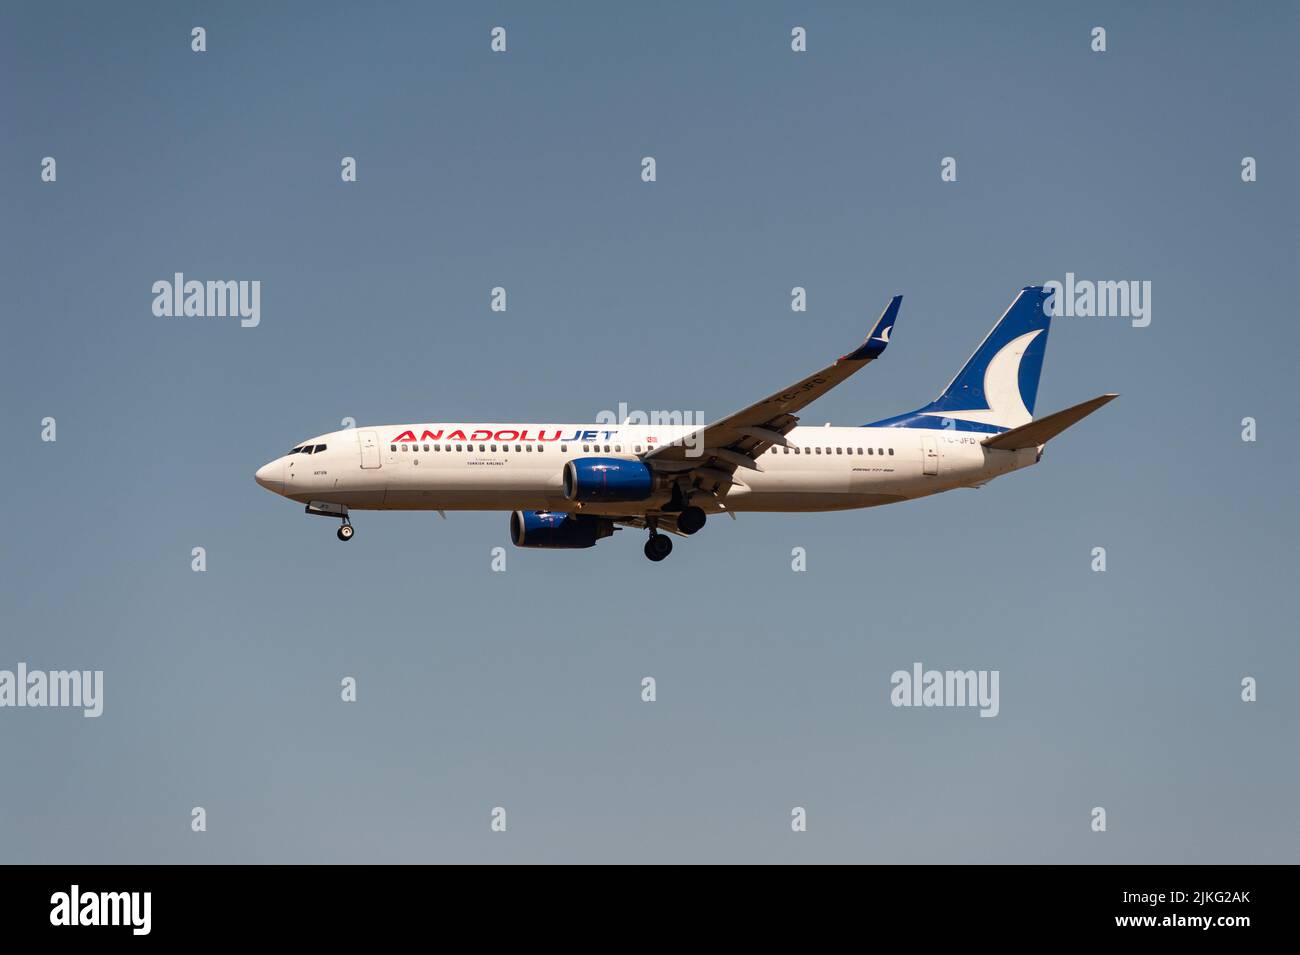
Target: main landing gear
{"type": "Point", "coordinates": [658, 546]}
{"type": "Point", "coordinates": [691, 519]}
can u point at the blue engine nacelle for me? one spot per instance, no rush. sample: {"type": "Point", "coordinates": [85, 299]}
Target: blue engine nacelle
{"type": "Point", "coordinates": [605, 480]}
{"type": "Point", "coordinates": [553, 529]}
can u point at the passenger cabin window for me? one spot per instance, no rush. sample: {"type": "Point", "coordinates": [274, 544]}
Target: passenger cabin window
{"type": "Point", "coordinates": [391, 447]}
{"type": "Point", "coordinates": [494, 447]}
{"type": "Point", "coordinates": [880, 450]}
{"type": "Point", "coordinates": [459, 448]}
{"type": "Point", "coordinates": [891, 450]}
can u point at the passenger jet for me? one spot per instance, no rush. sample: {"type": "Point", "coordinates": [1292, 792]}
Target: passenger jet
{"type": "Point", "coordinates": [571, 485]}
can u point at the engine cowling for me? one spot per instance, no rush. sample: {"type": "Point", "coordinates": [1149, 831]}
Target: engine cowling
{"type": "Point", "coordinates": [556, 530]}
{"type": "Point", "coordinates": [605, 480]}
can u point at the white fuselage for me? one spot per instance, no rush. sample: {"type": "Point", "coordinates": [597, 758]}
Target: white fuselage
{"type": "Point", "coordinates": [519, 467]}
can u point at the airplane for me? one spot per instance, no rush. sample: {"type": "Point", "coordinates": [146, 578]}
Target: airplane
{"type": "Point", "coordinates": [568, 486]}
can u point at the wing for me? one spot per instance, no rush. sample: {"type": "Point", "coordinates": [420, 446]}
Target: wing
{"type": "Point", "coordinates": [711, 455]}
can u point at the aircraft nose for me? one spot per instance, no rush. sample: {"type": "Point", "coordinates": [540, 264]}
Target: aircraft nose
{"type": "Point", "coordinates": [271, 475]}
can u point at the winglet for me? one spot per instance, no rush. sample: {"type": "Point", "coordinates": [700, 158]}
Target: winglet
{"type": "Point", "coordinates": [879, 338]}
{"type": "Point", "coordinates": [1039, 432]}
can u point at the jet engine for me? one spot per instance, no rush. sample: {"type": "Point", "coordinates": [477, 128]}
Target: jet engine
{"type": "Point", "coordinates": [556, 530]}
{"type": "Point", "coordinates": [606, 480]}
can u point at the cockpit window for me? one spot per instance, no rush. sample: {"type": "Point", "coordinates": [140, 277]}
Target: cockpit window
{"type": "Point", "coordinates": [295, 450]}
{"type": "Point", "coordinates": [320, 448]}
{"type": "Point", "coordinates": [306, 449]}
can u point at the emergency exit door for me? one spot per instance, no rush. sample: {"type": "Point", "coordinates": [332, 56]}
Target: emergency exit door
{"type": "Point", "coordinates": [929, 454]}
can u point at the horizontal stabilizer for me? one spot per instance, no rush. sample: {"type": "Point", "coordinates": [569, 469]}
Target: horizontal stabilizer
{"type": "Point", "coordinates": [1038, 432]}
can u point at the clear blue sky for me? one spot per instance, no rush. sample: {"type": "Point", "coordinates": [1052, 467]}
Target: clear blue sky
{"type": "Point", "coordinates": [478, 689]}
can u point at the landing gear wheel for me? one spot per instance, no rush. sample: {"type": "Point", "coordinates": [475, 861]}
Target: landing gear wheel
{"type": "Point", "coordinates": [658, 547]}
{"type": "Point", "coordinates": [691, 520]}
{"type": "Point", "coordinates": [345, 532]}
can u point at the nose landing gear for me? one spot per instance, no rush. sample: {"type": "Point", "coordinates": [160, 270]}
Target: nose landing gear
{"type": "Point", "coordinates": [326, 509]}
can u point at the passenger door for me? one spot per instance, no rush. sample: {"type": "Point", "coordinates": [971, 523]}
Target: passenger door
{"type": "Point", "coordinates": [369, 442]}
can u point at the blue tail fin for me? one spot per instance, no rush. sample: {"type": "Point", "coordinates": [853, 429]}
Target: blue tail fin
{"type": "Point", "coordinates": [996, 388]}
